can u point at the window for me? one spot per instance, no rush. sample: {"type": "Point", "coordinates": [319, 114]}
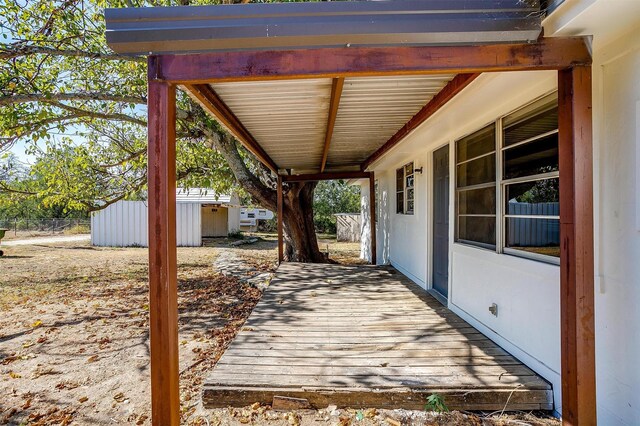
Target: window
{"type": "Point", "coordinates": [476, 188]}
{"type": "Point", "coordinates": [507, 199]}
{"type": "Point", "coordinates": [405, 203]}
{"type": "Point", "coordinates": [531, 184]}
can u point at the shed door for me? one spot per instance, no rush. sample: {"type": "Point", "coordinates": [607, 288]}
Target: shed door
{"type": "Point", "coordinates": [441, 221]}
{"type": "Point", "coordinates": [214, 221]}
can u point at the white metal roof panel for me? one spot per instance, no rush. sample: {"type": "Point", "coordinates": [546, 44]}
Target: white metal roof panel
{"type": "Point", "coordinates": [201, 195]}
{"type": "Point", "coordinates": [372, 109]}
{"type": "Point", "coordinates": [288, 118]}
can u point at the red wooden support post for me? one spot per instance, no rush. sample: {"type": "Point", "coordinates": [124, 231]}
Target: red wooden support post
{"type": "Point", "coordinates": [576, 245]}
{"type": "Point", "coordinates": [372, 215]}
{"type": "Point", "coordinates": [163, 292]}
{"type": "Point", "coordinates": [280, 208]}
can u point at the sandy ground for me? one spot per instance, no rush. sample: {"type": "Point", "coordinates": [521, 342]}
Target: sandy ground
{"type": "Point", "coordinates": [74, 339]}
{"type": "Point", "coordinates": [48, 240]}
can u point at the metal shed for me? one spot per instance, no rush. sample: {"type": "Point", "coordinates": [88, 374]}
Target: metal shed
{"type": "Point", "coordinates": [200, 213]}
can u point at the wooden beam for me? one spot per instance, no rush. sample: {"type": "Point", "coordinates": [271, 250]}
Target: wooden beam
{"type": "Point", "coordinates": [163, 292]}
{"type": "Point", "coordinates": [576, 247]}
{"type": "Point", "coordinates": [545, 54]}
{"type": "Point", "coordinates": [210, 101]}
{"type": "Point", "coordinates": [372, 209]}
{"type": "Point", "coordinates": [314, 177]}
{"type": "Point", "coordinates": [280, 218]}
{"type": "Point", "coordinates": [336, 93]}
{"type": "Point", "coordinates": [455, 86]}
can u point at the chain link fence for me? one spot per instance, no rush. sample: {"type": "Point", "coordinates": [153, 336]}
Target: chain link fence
{"type": "Point", "coordinates": [24, 228]}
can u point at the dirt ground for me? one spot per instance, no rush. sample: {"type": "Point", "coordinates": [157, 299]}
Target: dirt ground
{"type": "Point", "coordinates": [74, 338]}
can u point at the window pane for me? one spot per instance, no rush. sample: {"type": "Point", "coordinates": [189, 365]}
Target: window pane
{"type": "Point", "coordinates": [399, 180]}
{"type": "Point", "coordinates": [409, 206]}
{"type": "Point", "coordinates": [408, 169]}
{"type": "Point", "coordinates": [540, 236]}
{"type": "Point", "coordinates": [519, 128]}
{"type": "Point", "coordinates": [400, 202]}
{"type": "Point", "coordinates": [539, 156]}
{"type": "Point", "coordinates": [536, 198]}
{"type": "Point", "coordinates": [409, 181]}
{"type": "Point", "coordinates": [410, 194]}
{"type": "Point", "coordinates": [479, 143]}
{"type": "Point", "coordinates": [477, 229]}
{"type": "Point", "coordinates": [477, 201]}
{"type": "Point", "coordinates": [478, 171]}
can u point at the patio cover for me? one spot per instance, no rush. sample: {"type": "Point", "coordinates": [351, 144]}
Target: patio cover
{"type": "Point", "coordinates": [329, 124]}
{"type": "Point", "coordinates": [246, 64]}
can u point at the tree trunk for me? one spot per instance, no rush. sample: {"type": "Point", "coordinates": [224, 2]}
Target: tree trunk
{"type": "Point", "coordinates": [301, 244]}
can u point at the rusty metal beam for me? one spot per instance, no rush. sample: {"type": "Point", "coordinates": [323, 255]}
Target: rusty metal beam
{"type": "Point", "coordinates": [163, 292]}
{"type": "Point", "coordinates": [577, 310]}
{"type": "Point", "coordinates": [336, 93]}
{"type": "Point", "coordinates": [545, 54]}
{"type": "Point", "coordinates": [280, 203]}
{"type": "Point", "coordinates": [314, 177]}
{"type": "Point", "coordinates": [372, 215]}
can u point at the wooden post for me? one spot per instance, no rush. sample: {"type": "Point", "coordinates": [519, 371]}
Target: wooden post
{"type": "Point", "coordinates": [576, 247]}
{"type": "Point", "coordinates": [163, 293]}
{"type": "Point", "coordinates": [372, 215]}
{"type": "Point", "coordinates": [280, 208]}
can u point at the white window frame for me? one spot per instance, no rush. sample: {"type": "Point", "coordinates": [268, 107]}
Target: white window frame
{"type": "Point", "coordinates": [493, 184]}
{"type": "Point", "coordinates": [405, 188]}
{"type": "Point", "coordinates": [500, 185]}
{"type": "Point", "coordinates": [502, 197]}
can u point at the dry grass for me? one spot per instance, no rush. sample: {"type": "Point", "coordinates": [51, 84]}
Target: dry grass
{"type": "Point", "coordinates": [74, 340]}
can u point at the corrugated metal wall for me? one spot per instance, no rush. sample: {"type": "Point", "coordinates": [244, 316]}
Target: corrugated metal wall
{"type": "Point", "coordinates": [124, 224]}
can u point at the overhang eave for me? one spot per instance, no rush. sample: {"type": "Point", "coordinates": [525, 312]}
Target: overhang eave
{"type": "Point", "coordinates": [193, 29]}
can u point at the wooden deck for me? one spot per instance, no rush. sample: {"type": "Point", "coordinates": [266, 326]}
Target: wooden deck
{"type": "Point", "coordinates": [363, 336]}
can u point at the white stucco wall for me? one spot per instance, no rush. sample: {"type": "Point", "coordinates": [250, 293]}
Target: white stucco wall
{"type": "Point", "coordinates": [616, 113]}
{"type": "Point", "coordinates": [527, 292]}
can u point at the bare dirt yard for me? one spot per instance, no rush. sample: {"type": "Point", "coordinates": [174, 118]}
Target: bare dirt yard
{"type": "Point", "coordinates": [74, 338]}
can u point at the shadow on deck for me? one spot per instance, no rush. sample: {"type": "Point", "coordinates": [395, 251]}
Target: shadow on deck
{"type": "Point", "coordinates": [363, 336]}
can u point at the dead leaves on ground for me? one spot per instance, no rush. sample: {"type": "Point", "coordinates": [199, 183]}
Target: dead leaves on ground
{"type": "Point", "coordinates": [110, 312]}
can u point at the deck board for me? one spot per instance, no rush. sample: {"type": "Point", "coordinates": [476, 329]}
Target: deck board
{"type": "Point", "coordinates": [364, 336]}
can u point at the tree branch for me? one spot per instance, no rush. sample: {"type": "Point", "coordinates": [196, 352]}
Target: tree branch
{"type": "Point", "coordinates": [4, 187]}
{"type": "Point", "coordinates": [105, 116]}
{"type": "Point", "coordinates": [79, 96]}
{"type": "Point", "coordinates": [263, 195]}
{"type": "Point", "coordinates": [36, 50]}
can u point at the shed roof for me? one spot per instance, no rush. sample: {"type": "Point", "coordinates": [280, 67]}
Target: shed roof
{"type": "Point", "coordinates": [201, 195]}
{"type": "Point", "coordinates": [189, 29]}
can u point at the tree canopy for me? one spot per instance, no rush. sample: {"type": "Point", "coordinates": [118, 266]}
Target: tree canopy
{"type": "Point", "coordinates": [80, 110]}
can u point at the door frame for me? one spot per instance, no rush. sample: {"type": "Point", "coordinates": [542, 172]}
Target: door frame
{"type": "Point", "coordinates": [430, 225]}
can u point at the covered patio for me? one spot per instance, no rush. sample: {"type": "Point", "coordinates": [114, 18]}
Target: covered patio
{"type": "Point", "coordinates": [322, 74]}
{"type": "Point", "coordinates": [363, 336]}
